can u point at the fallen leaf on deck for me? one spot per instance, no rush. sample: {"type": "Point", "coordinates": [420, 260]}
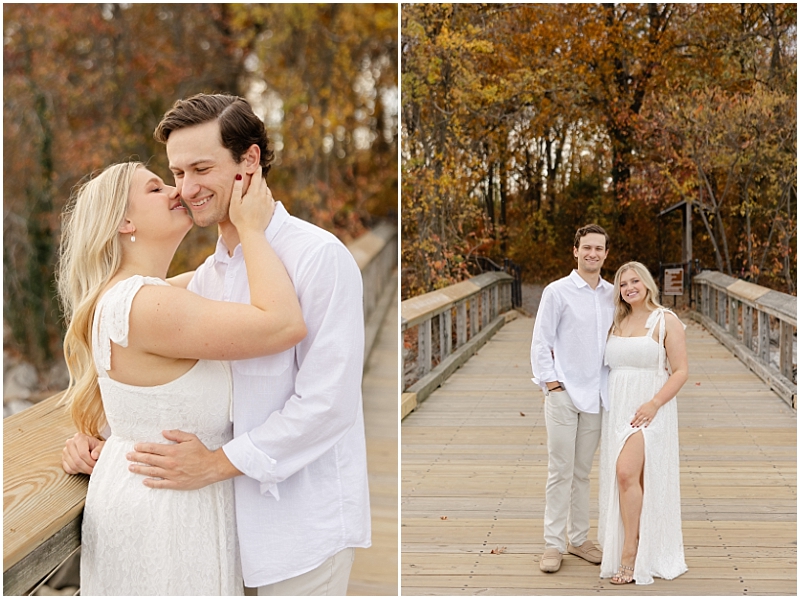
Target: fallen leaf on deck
{"type": "Point", "coordinates": [498, 549]}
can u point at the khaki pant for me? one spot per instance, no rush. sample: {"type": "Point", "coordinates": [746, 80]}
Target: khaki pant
{"type": "Point", "coordinates": [329, 579]}
{"type": "Point", "coordinates": [572, 439]}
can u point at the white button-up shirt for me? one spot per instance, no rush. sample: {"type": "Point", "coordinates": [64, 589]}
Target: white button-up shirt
{"type": "Point", "coordinates": [297, 416]}
{"type": "Point", "coordinates": [569, 339]}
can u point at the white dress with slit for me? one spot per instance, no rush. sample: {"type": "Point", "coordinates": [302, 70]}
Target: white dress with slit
{"type": "Point", "coordinates": [142, 541]}
{"type": "Point", "coordinates": [638, 370]}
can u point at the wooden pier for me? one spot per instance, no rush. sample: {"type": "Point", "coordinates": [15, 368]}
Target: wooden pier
{"type": "Point", "coordinates": [474, 468]}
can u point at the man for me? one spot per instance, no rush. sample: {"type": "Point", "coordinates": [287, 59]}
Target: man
{"type": "Point", "coordinates": [299, 452]}
{"type": "Point", "coordinates": [569, 338]}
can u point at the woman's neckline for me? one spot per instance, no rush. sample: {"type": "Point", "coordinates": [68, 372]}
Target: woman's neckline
{"type": "Point", "coordinates": [649, 332]}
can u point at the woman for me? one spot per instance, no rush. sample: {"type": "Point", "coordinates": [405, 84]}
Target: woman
{"type": "Point", "coordinates": [140, 354]}
{"type": "Point", "coordinates": [640, 507]}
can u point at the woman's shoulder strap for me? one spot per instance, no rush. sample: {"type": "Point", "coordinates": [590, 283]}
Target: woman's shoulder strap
{"type": "Point", "coordinates": [112, 316]}
{"type": "Point", "coordinates": [666, 311]}
{"type": "Point", "coordinates": [653, 319]}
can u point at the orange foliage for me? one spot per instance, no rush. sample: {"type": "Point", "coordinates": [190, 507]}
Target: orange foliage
{"type": "Point", "coordinates": [523, 122]}
{"type": "Point", "coordinates": [86, 84]}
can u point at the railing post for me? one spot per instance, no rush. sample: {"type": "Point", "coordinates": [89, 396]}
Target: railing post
{"type": "Point", "coordinates": [445, 333]}
{"type": "Point", "coordinates": [712, 303]}
{"type": "Point", "coordinates": [424, 349]}
{"type": "Point", "coordinates": [403, 355]}
{"type": "Point", "coordinates": [473, 316]}
{"type": "Point", "coordinates": [747, 326]}
{"type": "Point", "coordinates": [763, 337]}
{"type": "Point", "coordinates": [785, 341]}
{"type": "Point", "coordinates": [721, 297]}
{"type": "Point", "coordinates": [733, 317]}
{"type": "Point", "coordinates": [461, 323]}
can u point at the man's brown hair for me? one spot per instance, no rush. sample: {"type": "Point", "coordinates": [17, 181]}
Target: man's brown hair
{"type": "Point", "coordinates": [592, 228]}
{"type": "Point", "coordinates": [239, 127]}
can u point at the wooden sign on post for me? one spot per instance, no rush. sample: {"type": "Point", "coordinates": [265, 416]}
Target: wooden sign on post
{"type": "Point", "coordinates": [673, 281]}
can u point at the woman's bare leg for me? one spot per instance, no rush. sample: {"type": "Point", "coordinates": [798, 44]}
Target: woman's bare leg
{"type": "Point", "coordinates": [630, 475]}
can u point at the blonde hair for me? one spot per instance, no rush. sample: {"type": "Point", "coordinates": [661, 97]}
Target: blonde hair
{"type": "Point", "coordinates": [621, 307]}
{"type": "Point", "coordinates": [89, 256]}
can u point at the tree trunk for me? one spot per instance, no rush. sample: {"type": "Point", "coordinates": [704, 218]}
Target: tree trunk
{"type": "Point", "coordinates": [41, 281]}
{"type": "Point", "coordinates": [503, 201]}
{"type": "Point", "coordinates": [489, 198]}
{"type": "Point", "coordinates": [718, 214]}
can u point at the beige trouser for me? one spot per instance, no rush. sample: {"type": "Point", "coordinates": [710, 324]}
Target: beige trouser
{"type": "Point", "coordinates": [572, 438]}
{"type": "Point", "coordinates": [329, 579]}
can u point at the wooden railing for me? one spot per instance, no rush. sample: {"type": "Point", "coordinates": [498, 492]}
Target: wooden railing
{"type": "Point", "coordinates": [443, 328]}
{"type": "Point", "coordinates": [43, 506]}
{"type": "Point", "coordinates": [376, 255]}
{"type": "Point", "coordinates": [757, 324]}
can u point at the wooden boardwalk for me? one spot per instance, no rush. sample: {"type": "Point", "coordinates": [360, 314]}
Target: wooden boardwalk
{"type": "Point", "coordinates": [375, 569]}
{"type": "Point", "coordinates": [474, 466]}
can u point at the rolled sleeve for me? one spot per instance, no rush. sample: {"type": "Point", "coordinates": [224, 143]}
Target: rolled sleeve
{"type": "Point", "coordinates": [544, 337]}
{"type": "Point", "coordinates": [253, 462]}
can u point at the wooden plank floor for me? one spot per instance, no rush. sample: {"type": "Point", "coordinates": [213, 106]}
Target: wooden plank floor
{"type": "Point", "coordinates": [375, 569]}
{"type": "Point", "coordinates": [474, 466]}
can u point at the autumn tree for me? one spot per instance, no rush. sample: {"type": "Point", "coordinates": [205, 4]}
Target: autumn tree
{"type": "Point", "coordinates": [441, 199]}
{"type": "Point", "coordinates": [527, 121]}
{"type": "Point", "coordinates": [324, 78]}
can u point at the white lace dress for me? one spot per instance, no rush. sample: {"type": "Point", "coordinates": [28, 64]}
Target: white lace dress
{"type": "Point", "coordinates": [638, 370]}
{"type": "Point", "coordinates": [142, 541]}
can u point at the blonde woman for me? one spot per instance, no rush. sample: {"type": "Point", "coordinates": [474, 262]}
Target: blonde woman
{"type": "Point", "coordinates": [640, 512]}
{"type": "Point", "coordinates": [142, 356]}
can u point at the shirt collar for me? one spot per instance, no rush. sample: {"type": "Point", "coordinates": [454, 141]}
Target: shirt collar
{"type": "Point", "coordinates": [279, 216]}
{"type": "Point", "coordinates": [577, 279]}
{"type": "Point", "coordinates": [580, 282]}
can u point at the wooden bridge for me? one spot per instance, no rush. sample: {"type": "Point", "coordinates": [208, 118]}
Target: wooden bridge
{"type": "Point", "coordinates": [474, 466]}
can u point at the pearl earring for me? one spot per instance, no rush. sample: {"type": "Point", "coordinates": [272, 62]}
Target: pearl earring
{"type": "Point", "coordinates": [133, 237]}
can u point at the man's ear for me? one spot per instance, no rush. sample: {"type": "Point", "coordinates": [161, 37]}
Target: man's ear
{"type": "Point", "coordinates": [251, 159]}
{"type": "Point", "coordinates": [127, 227]}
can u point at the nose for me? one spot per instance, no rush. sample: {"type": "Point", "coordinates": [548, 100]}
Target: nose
{"type": "Point", "coordinates": [187, 187]}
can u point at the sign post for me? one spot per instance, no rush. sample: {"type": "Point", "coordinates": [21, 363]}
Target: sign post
{"type": "Point", "coordinates": [673, 281]}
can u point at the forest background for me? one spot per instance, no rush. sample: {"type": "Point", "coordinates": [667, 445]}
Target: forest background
{"type": "Point", "coordinates": [522, 122]}
{"type": "Point", "coordinates": [85, 85]}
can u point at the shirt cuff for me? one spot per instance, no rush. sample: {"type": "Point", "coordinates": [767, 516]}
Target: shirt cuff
{"type": "Point", "coordinates": [544, 378]}
{"type": "Point", "coordinates": [253, 462]}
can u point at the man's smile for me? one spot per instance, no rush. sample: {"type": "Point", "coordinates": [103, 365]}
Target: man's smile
{"type": "Point", "coordinates": [202, 202]}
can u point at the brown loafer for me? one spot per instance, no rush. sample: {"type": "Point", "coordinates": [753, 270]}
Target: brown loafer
{"type": "Point", "coordinates": [550, 560]}
{"type": "Point", "coordinates": [587, 551]}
